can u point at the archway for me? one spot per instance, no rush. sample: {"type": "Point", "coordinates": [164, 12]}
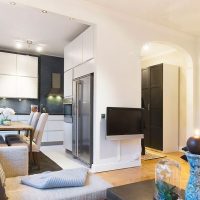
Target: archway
{"type": "Point", "coordinates": [153, 53]}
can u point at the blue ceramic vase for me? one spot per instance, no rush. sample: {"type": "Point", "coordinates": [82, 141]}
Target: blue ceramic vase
{"type": "Point", "coordinates": [192, 191]}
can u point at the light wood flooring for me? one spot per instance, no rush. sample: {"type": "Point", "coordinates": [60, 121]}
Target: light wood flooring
{"type": "Point", "coordinates": [145, 172]}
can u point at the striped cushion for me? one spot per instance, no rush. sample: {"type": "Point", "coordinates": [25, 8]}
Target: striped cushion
{"type": "Point", "coordinates": [59, 179]}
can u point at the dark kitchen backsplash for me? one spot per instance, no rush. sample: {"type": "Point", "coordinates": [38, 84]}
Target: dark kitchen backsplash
{"type": "Point", "coordinates": [49, 65]}
{"type": "Point", "coordinates": [54, 105]}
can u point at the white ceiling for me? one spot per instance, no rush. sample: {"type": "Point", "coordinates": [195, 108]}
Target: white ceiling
{"type": "Point", "coordinates": [182, 15]}
{"type": "Point", "coordinates": [155, 49]}
{"type": "Point", "coordinates": [51, 31]}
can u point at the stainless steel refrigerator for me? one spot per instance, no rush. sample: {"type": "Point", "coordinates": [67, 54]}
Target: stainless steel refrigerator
{"type": "Point", "coordinates": [82, 113]}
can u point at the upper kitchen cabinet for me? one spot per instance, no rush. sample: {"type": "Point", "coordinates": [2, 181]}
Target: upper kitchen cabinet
{"type": "Point", "coordinates": [8, 86]}
{"type": "Point", "coordinates": [18, 76]}
{"type": "Point", "coordinates": [73, 53]}
{"type": "Point", "coordinates": [27, 87]}
{"type": "Point", "coordinates": [27, 66]}
{"type": "Point", "coordinates": [68, 77]}
{"type": "Point", "coordinates": [77, 51]}
{"type": "Point", "coordinates": [68, 57]}
{"type": "Point", "coordinates": [8, 63]}
{"type": "Point", "coordinates": [80, 50]}
{"type": "Point", "coordinates": [88, 44]}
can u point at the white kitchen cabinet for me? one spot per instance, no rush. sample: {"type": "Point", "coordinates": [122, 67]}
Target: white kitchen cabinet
{"type": "Point", "coordinates": [68, 77]}
{"type": "Point", "coordinates": [55, 136]}
{"type": "Point", "coordinates": [68, 136]}
{"type": "Point", "coordinates": [7, 86]}
{"type": "Point", "coordinates": [88, 44]}
{"type": "Point", "coordinates": [27, 66]}
{"type": "Point", "coordinates": [76, 51]}
{"type": "Point", "coordinates": [68, 57]}
{"type": "Point", "coordinates": [27, 87]}
{"type": "Point", "coordinates": [18, 76]}
{"type": "Point", "coordinates": [8, 63]}
{"type": "Point", "coordinates": [83, 69]}
{"type": "Point", "coordinates": [54, 129]}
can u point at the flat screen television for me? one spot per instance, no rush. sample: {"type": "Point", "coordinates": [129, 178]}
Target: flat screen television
{"type": "Point", "coordinates": [124, 121]}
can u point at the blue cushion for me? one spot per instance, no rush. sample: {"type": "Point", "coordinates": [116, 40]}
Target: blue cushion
{"type": "Point", "coordinates": [59, 179]}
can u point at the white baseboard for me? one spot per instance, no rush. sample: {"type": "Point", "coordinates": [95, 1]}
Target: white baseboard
{"type": "Point", "coordinates": [101, 167]}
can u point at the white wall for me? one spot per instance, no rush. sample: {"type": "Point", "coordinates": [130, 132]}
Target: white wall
{"type": "Point", "coordinates": [179, 59]}
{"type": "Point", "coordinates": [118, 74]}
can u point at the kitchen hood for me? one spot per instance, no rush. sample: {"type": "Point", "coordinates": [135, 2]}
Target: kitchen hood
{"type": "Point", "coordinates": [55, 85]}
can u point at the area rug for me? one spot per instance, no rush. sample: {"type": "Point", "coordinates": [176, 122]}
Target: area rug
{"type": "Point", "coordinates": [46, 164]}
{"type": "Point", "coordinates": [151, 155]}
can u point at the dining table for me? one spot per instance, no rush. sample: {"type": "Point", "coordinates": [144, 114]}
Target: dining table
{"type": "Point", "coordinates": [20, 126]}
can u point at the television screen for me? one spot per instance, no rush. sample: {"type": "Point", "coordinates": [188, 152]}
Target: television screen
{"type": "Point", "coordinates": [124, 121]}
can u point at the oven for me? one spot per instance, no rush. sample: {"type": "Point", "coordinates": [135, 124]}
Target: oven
{"type": "Point", "coordinates": [67, 110]}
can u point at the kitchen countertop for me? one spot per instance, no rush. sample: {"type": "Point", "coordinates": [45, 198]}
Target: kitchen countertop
{"type": "Point", "coordinates": [29, 114]}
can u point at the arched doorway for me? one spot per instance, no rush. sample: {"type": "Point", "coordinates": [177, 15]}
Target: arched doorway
{"type": "Point", "coordinates": [153, 53]}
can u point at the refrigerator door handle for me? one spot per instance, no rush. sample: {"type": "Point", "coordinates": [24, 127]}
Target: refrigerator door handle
{"type": "Point", "coordinates": [78, 86]}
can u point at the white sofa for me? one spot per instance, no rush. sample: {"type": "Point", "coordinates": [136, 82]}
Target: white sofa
{"type": "Point", "coordinates": [14, 161]}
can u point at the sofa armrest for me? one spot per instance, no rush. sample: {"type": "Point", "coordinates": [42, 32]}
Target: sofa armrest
{"type": "Point", "coordinates": [14, 160]}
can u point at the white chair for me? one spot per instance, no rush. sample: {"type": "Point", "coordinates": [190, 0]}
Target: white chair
{"type": "Point", "coordinates": [29, 122]}
{"type": "Point", "coordinates": [37, 138]}
{"type": "Point", "coordinates": [30, 118]}
{"type": "Point", "coordinates": [35, 119]}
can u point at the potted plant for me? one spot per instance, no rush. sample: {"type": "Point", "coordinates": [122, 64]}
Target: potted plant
{"type": "Point", "coordinates": [6, 113]}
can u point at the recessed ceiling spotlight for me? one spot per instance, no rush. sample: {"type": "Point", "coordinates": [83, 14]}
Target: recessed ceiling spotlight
{"type": "Point", "coordinates": [39, 48]}
{"type": "Point", "coordinates": [44, 11]}
{"type": "Point", "coordinates": [146, 47]}
{"type": "Point", "coordinates": [18, 45]}
{"type": "Point", "coordinates": [12, 3]}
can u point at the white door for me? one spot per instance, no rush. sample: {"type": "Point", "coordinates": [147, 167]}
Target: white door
{"type": "Point", "coordinates": [88, 44]}
{"type": "Point", "coordinates": [27, 87]}
{"type": "Point", "coordinates": [68, 136]}
{"type": "Point", "coordinates": [68, 77]}
{"type": "Point", "coordinates": [8, 86]}
{"type": "Point", "coordinates": [27, 66]}
{"type": "Point", "coordinates": [7, 63]}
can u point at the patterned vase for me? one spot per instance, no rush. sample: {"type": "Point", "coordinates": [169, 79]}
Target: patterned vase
{"type": "Point", "coordinates": [192, 191]}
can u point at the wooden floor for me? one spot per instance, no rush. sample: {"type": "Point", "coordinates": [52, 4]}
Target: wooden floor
{"type": "Point", "coordinates": [145, 172]}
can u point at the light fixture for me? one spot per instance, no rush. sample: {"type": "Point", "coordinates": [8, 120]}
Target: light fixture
{"type": "Point", "coordinates": [39, 48]}
{"type": "Point", "coordinates": [12, 3]}
{"type": "Point", "coordinates": [146, 47]}
{"type": "Point", "coordinates": [58, 97]}
{"type": "Point", "coordinates": [44, 11]}
{"type": "Point", "coordinates": [19, 45]}
{"type": "Point", "coordinates": [29, 45]}
{"type": "Point", "coordinates": [50, 97]}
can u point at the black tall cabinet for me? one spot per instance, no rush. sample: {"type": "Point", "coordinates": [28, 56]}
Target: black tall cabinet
{"type": "Point", "coordinates": [153, 103]}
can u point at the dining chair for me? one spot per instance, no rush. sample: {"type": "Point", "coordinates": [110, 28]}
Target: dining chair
{"type": "Point", "coordinates": [29, 121]}
{"type": "Point", "coordinates": [30, 118]}
{"type": "Point", "coordinates": [37, 139]}
{"type": "Point", "coordinates": [13, 138]}
{"type": "Point", "coordinates": [33, 122]}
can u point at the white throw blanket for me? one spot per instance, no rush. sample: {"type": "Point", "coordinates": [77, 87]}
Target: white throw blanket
{"type": "Point", "coordinates": [58, 179]}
